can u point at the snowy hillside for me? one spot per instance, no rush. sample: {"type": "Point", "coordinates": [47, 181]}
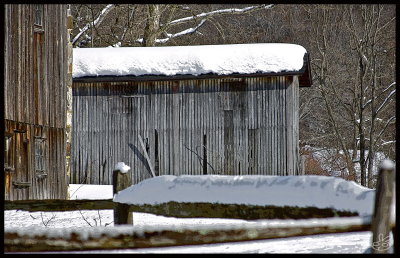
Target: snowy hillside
{"type": "Point", "coordinates": [302, 191]}
{"type": "Point", "coordinates": [188, 60]}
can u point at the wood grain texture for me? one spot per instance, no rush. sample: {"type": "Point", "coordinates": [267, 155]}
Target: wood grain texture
{"type": "Point", "coordinates": [131, 238]}
{"type": "Point", "coordinates": [122, 215]}
{"type": "Point", "coordinates": [251, 127]}
{"type": "Point", "coordinates": [35, 98]}
{"type": "Point", "coordinates": [184, 209]}
{"type": "Point", "coordinates": [382, 211]}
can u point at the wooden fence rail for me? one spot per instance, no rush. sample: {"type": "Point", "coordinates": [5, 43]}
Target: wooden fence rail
{"type": "Point", "coordinates": [184, 210]}
{"type": "Point", "coordinates": [127, 237]}
{"type": "Point", "coordinates": [123, 212]}
{"type": "Point", "coordinates": [59, 205]}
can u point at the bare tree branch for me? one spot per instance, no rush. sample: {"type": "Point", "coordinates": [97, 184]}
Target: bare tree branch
{"type": "Point", "coordinates": [96, 22]}
{"type": "Point", "coordinates": [388, 122]}
{"type": "Point", "coordinates": [162, 28]}
{"type": "Point", "coordinates": [385, 101]}
{"type": "Point", "coordinates": [179, 34]}
{"type": "Point", "coordinates": [220, 12]}
{"type": "Point", "coordinates": [369, 101]}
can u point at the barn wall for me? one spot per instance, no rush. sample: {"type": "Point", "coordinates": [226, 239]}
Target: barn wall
{"type": "Point", "coordinates": [35, 66]}
{"type": "Point", "coordinates": [240, 126]}
{"type": "Point", "coordinates": [49, 184]}
{"type": "Point", "coordinates": [35, 75]}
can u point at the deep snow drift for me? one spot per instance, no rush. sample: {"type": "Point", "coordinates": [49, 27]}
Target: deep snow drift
{"type": "Point", "coordinates": [302, 191]}
{"type": "Point", "coordinates": [188, 60]}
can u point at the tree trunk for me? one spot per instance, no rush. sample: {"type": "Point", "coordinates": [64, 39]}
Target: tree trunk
{"type": "Point", "coordinates": [352, 173]}
{"type": "Point", "coordinates": [362, 159]}
{"type": "Point", "coordinates": [361, 124]}
{"type": "Point", "coordinates": [350, 166]}
{"type": "Point", "coordinates": [152, 25]}
{"type": "Point", "coordinates": [371, 152]}
{"type": "Point", "coordinates": [349, 161]}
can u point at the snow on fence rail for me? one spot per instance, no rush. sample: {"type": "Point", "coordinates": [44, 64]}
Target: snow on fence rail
{"type": "Point", "coordinates": [184, 210]}
{"type": "Point", "coordinates": [127, 237]}
{"type": "Point", "coordinates": [259, 190]}
{"type": "Point", "coordinates": [381, 223]}
{"type": "Point", "coordinates": [238, 197]}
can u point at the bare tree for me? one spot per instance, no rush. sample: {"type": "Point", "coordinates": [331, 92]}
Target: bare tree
{"type": "Point", "coordinates": [369, 26]}
{"type": "Point", "coordinates": [326, 21]}
{"type": "Point", "coordinates": [354, 86]}
{"type": "Point", "coordinates": [153, 22]}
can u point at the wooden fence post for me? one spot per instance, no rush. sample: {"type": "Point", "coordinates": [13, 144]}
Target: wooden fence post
{"type": "Point", "coordinates": [122, 215]}
{"type": "Point", "coordinates": [381, 224]}
{"type": "Point", "coordinates": [393, 214]}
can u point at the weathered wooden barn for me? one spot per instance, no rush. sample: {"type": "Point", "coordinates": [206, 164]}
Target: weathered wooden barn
{"type": "Point", "coordinates": [35, 77]}
{"type": "Point", "coordinates": [223, 109]}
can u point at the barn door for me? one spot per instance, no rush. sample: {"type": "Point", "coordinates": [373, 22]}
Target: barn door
{"type": "Point", "coordinates": [134, 123]}
{"type": "Point", "coordinates": [20, 181]}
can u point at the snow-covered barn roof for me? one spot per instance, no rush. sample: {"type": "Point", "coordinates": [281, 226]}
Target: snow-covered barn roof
{"type": "Point", "coordinates": [172, 61]}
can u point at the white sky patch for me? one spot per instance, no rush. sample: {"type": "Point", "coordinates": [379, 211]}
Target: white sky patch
{"type": "Point", "coordinates": [188, 60]}
{"type": "Point", "coordinates": [302, 191]}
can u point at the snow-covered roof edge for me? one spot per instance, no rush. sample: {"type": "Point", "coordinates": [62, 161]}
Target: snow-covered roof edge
{"type": "Point", "coordinates": [191, 62]}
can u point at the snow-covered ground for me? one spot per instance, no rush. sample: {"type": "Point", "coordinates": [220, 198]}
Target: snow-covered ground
{"type": "Point", "coordinates": [330, 243]}
{"type": "Point", "coordinates": [90, 192]}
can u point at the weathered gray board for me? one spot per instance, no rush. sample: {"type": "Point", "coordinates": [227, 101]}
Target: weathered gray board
{"type": "Point", "coordinates": [248, 125]}
{"type": "Point", "coordinates": [35, 94]}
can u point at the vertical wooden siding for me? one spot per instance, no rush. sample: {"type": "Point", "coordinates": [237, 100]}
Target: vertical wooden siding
{"type": "Point", "coordinates": [54, 185]}
{"type": "Point", "coordinates": [44, 105]}
{"type": "Point", "coordinates": [250, 126]}
{"type": "Point", "coordinates": [35, 92]}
